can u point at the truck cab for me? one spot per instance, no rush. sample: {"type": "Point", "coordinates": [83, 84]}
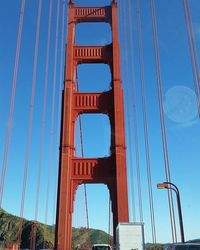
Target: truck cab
{"type": "Point", "coordinates": [101, 247]}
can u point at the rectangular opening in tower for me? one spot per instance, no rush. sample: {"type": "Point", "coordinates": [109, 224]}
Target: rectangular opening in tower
{"type": "Point", "coordinates": [98, 34]}
{"type": "Point", "coordinates": [93, 77]}
{"type": "Point", "coordinates": [93, 136]}
{"type": "Point", "coordinates": [98, 211]}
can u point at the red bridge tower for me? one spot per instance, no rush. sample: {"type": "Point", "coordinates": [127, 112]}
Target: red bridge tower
{"type": "Point", "coordinates": [76, 171]}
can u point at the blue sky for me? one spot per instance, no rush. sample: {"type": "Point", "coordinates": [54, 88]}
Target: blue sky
{"type": "Point", "coordinates": [183, 133]}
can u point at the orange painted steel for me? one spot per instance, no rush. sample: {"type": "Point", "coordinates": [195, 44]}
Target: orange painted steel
{"type": "Point", "coordinates": [74, 171]}
{"type": "Point", "coordinates": [12, 246]}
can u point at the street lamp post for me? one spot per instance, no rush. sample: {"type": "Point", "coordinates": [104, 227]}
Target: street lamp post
{"type": "Point", "coordinates": [169, 185]}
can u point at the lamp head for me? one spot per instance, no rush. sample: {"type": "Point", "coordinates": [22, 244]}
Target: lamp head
{"type": "Point", "coordinates": [163, 185]}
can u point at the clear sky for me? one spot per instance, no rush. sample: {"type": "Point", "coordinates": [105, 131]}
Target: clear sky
{"type": "Point", "coordinates": [183, 127]}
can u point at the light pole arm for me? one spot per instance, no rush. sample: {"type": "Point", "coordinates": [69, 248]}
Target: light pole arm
{"type": "Point", "coordinates": [172, 184]}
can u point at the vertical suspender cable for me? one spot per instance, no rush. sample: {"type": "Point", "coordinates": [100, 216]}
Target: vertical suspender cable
{"type": "Point", "coordinates": [59, 101]}
{"type": "Point", "coordinates": [52, 116]}
{"type": "Point", "coordinates": [44, 110]}
{"type": "Point", "coordinates": [128, 117]}
{"type": "Point", "coordinates": [193, 51]}
{"type": "Point", "coordinates": [85, 188]}
{"type": "Point", "coordinates": [42, 125]}
{"type": "Point", "coordinates": [193, 42]}
{"type": "Point", "coordinates": [28, 144]}
{"type": "Point", "coordinates": [135, 112]}
{"type": "Point", "coordinates": [86, 206]}
{"type": "Point", "coordinates": [162, 119]}
{"type": "Point", "coordinates": [12, 102]}
{"type": "Point", "coordinates": [82, 155]}
{"type": "Point", "coordinates": [109, 217]}
{"type": "Point", "coordinates": [146, 138]}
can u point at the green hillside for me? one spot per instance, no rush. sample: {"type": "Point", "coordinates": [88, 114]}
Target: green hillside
{"type": "Point", "coordinates": [9, 227]}
{"type": "Point", "coordinates": [81, 236]}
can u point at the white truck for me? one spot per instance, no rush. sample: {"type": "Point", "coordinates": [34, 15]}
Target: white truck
{"type": "Point", "coordinates": [130, 236]}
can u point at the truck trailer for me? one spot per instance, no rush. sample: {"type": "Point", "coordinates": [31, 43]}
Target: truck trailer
{"type": "Point", "coordinates": [130, 236]}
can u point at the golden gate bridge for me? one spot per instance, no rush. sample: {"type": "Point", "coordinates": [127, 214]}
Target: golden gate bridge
{"type": "Point", "coordinates": [64, 105]}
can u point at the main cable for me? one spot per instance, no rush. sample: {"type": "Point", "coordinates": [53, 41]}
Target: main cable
{"type": "Point", "coordinates": [31, 109]}
{"type": "Point", "coordinates": [52, 116]}
{"type": "Point", "coordinates": [144, 111]}
{"type": "Point", "coordinates": [137, 156]}
{"type": "Point", "coordinates": [32, 246]}
{"type": "Point", "coordinates": [12, 102]}
{"type": "Point", "coordinates": [193, 51]}
{"type": "Point", "coordinates": [44, 110]}
{"type": "Point", "coordinates": [162, 119]}
{"type": "Point", "coordinates": [59, 101]}
{"type": "Point", "coordinates": [131, 169]}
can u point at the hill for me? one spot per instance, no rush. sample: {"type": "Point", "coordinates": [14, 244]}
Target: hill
{"type": "Point", "coordinates": [9, 227]}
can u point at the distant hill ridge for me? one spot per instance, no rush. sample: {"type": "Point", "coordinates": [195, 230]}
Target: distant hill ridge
{"type": "Point", "coordinates": [9, 226]}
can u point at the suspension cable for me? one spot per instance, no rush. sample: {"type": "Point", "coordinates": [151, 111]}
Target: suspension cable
{"type": "Point", "coordinates": [59, 102]}
{"type": "Point", "coordinates": [32, 246]}
{"type": "Point", "coordinates": [122, 27]}
{"type": "Point", "coordinates": [109, 217]}
{"type": "Point", "coordinates": [162, 119]}
{"type": "Point", "coordinates": [31, 109]}
{"type": "Point", "coordinates": [52, 116]}
{"type": "Point", "coordinates": [12, 101]}
{"type": "Point", "coordinates": [193, 43]}
{"type": "Point", "coordinates": [135, 112]}
{"type": "Point", "coordinates": [193, 51]}
{"type": "Point", "coordinates": [44, 110]}
{"type": "Point", "coordinates": [144, 111]}
{"type": "Point", "coordinates": [82, 155]}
